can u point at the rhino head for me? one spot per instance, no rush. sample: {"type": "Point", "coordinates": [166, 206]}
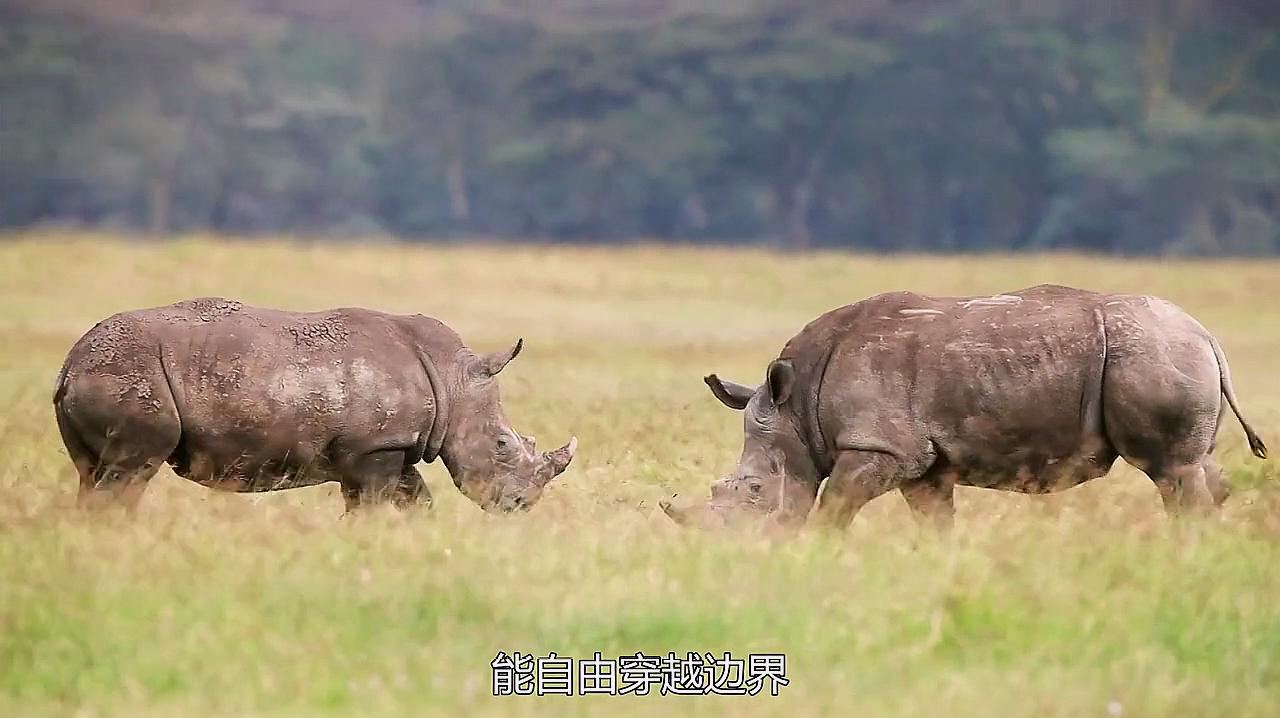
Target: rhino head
{"type": "Point", "coordinates": [490, 462]}
{"type": "Point", "coordinates": [775, 476]}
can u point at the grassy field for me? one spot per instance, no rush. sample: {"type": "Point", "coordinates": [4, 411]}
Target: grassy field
{"type": "Point", "coordinates": [1086, 603]}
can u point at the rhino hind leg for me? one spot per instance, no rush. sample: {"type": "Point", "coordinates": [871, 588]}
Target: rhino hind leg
{"type": "Point", "coordinates": [1178, 463]}
{"type": "Point", "coordinates": [115, 465]}
{"type": "Point", "coordinates": [382, 477]}
{"type": "Point", "coordinates": [1184, 488]}
{"type": "Point", "coordinates": [1215, 480]}
{"type": "Point", "coordinates": [932, 497]}
{"type": "Point", "coordinates": [1161, 410]}
{"type": "Point", "coordinates": [118, 485]}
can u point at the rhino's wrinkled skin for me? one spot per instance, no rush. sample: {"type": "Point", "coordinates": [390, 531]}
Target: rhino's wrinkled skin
{"type": "Point", "coordinates": [250, 399]}
{"type": "Point", "coordinates": [1033, 391]}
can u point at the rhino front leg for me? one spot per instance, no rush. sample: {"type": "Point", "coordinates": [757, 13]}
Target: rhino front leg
{"type": "Point", "coordinates": [857, 478]}
{"type": "Point", "coordinates": [382, 477]}
{"type": "Point", "coordinates": [410, 490]}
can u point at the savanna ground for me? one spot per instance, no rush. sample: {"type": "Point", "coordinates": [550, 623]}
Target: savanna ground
{"type": "Point", "coordinates": [1085, 603]}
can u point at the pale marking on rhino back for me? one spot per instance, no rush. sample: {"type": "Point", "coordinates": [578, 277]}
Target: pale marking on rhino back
{"type": "Point", "coordinates": [365, 374]}
{"type": "Point", "coordinates": [994, 300]}
{"type": "Point", "coordinates": [919, 312]}
{"type": "Point", "coordinates": [321, 389]}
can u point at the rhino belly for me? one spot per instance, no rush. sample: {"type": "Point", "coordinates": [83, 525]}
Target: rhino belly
{"type": "Point", "coordinates": [249, 463]}
{"type": "Point", "coordinates": [1036, 473]}
{"type": "Point", "coordinates": [1032, 442]}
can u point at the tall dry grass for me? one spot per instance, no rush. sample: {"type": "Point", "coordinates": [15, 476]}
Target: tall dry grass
{"type": "Point", "coordinates": [1085, 603]}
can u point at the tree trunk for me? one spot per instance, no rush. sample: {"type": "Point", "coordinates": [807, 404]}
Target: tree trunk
{"type": "Point", "coordinates": [1236, 71]}
{"type": "Point", "coordinates": [456, 181]}
{"type": "Point", "coordinates": [159, 204]}
{"type": "Point", "coordinates": [801, 185]}
{"type": "Point", "coordinates": [695, 212]}
{"type": "Point", "coordinates": [1164, 28]}
{"type": "Point", "coordinates": [798, 237]}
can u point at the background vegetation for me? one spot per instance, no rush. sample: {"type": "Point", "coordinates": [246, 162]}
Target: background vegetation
{"type": "Point", "coordinates": [1139, 126]}
{"type": "Point", "coordinates": [1086, 603]}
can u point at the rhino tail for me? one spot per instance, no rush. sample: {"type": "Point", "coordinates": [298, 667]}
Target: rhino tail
{"type": "Point", "coordinates": [60, 386]}
{"type": "Point", "coordinates": [1258, 448]}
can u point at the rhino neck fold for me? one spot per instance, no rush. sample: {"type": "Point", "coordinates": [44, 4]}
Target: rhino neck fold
{"type": "Point", "coordinates": [440, 422]}
{"type": "Point", "coordinates": [819, 452]}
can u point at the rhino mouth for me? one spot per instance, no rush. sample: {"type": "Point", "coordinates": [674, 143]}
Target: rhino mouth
{"type": "Point", "coordinates": [520, 485]}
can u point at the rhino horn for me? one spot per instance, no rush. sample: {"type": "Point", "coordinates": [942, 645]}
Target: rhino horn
{"type": "Point", "coordinates": [697, 515]}
{"type": "Point", "coordinates": [676, 514]}
{"type": "Point", "coordinates": [555, 462]}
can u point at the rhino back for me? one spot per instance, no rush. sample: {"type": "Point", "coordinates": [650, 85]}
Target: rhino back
{"type": "Point", "coordinates": [1002, 382]}
{"type": "Point", "coordinates": [263, 383]}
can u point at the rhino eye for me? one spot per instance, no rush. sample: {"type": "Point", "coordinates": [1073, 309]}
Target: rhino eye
{"type": "Point", "coordinates": [755, 487]}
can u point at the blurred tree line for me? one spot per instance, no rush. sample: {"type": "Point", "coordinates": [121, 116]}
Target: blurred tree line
{"type": "Point", "coordinates": [1131, 126]}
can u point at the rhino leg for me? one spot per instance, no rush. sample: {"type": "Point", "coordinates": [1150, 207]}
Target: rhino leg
{"type": "Point", "coordinates": [119, 474]}
{"type": "Point", "coordinates": [1215, 480]}
{"type": "Point", "coordinates": [1169, 441]}
{"type": "Point", "coordinates": [1184, 488]}
{"type": "Point", "coordinates": [382, 477]}
{"type": "Point", "coordinates": [411, 490]}
{"type": "Point", "coordinates": [1162, 400]}
{"type": "Point", "coordinates": [932, 498]}
{"type": "Point", "coordinates": [117, 454]}
{"type": "Point", "coordinates": [115, 485]}
{"type": "Point", "coordinates": [860, 476]}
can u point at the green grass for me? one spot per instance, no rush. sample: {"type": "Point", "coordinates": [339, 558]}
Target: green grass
{"type": "Point", "coordinates": [213, 604]}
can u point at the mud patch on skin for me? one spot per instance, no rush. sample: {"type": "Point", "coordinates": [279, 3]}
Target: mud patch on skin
{"type": "Point", "coordinates": [140, 387]}
{"type": "Point", "coordinates": [329, 331]}
{"type": "Point", "coordinates": [203, 309]}
{"type": "Point", "coordinates": [226, 380]}
{"type": "Point", "coordinates": [208, 309]}
{"type": "Point", "coordinates": [109, 341]}
{"type": "Point", "coordinates": [113, 350]}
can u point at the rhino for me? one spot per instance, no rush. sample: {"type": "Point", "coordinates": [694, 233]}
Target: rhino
{"type": "Point", "coordinates": [1033, 391]}
{"type": "Point", "coordinates": [250, 399]}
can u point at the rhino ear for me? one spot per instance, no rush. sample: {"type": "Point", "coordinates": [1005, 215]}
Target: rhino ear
{"type": "Point", "coordinates": [734, 396]}
{"type": "Point", "coordinates": [491, 364]}
{"type": "Point", "coordinates": [780, 378]}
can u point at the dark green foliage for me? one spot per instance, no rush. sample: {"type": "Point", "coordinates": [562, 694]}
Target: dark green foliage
{"type": "Point", "coordinates": [960, 126]}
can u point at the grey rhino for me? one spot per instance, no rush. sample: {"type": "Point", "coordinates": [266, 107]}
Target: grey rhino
{"type": "Point", "coordinates": [1034, 391]}
{"type": "Point", "coordinates": [249, 399]}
